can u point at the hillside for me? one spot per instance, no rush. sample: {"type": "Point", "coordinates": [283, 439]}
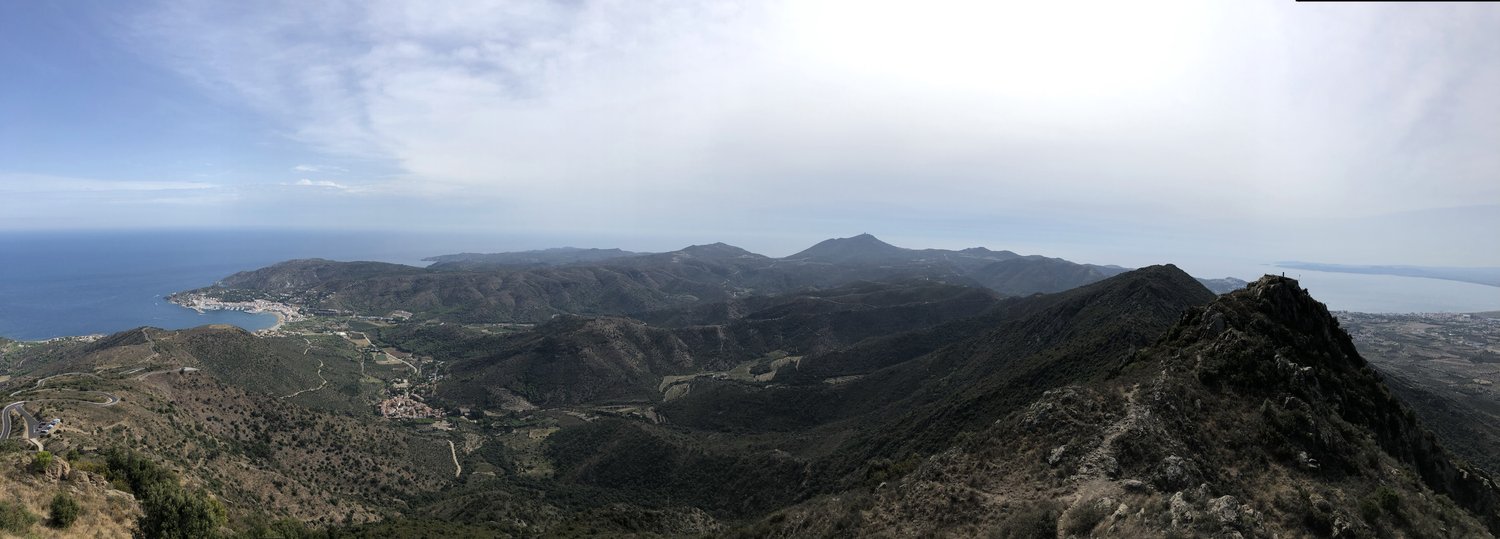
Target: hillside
{"type": "Point", "coordinates": [544, 257]}
{"type": "Point", "coordinates": [227, 423]}
{"type": "Point", "coordinates": [1139, 405]}
{"type": "Point", "coordinates": [1253, 416]}
{"type": "Point", "coordinates": [572, 360]}
{"type": "Point", "coordinates": [1029, 275]}
{"type": "Point", "coordinates": [1443, 366]}
{"type": "Point", "coordinates": [29, 491]}
{"type": "Point", "coordinates": [533, 286]}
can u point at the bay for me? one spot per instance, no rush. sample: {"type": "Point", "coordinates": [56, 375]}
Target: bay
{"type": "Point", "coordinates": [55, 284]}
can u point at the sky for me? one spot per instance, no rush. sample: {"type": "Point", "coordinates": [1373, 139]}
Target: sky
{"type": "Point", "coordinates": [1107, 132]}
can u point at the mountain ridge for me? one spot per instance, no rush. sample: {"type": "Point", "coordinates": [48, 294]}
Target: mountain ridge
{"type": "Point", "coordinates": [463, 290]}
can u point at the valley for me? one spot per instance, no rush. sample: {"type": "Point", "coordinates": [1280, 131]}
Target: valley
{"type": "Point", "coordinates": [1447, 367]}
{"type": "Point", "coordinates": [876, 402]}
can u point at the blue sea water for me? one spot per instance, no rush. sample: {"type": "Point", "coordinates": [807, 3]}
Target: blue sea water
{"type": "Point", "coordinates": [55, 284]}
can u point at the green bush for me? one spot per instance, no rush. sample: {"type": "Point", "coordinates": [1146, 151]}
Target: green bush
{"type": "Point", "coordinates": [14, 518]}
{"type": "Point", "coordinates": [1387, 499]}
{"type": "Point", "coordinates": [169, 511]}
{"type": "Point", "coordinates": [64, 510]}
{"type": "Point", "coordinates": [172, 512]}
{"type": "Point", "coordinates": [41, 461]}
{"type": "Point", "coordinates": [1384, 501]}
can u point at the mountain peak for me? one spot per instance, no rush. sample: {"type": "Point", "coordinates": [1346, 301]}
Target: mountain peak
{"type": "Point", "coordinates": [716, 250]}
{"type": "Point", "coordinates": [1279, 308]}
{"type": "Point", "coordinates": [862, 248]}
{"type": "Point", "coordinates": [1163, 290]}
{"type": "Point", "coordinates": [1320, 402]}
{"type": "Point", "coordinates": [1267, 337]}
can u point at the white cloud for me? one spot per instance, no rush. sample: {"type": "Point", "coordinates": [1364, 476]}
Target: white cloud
{"type": "Point", "coordinates": [41, 183]}
{"type": "Point", "coordinates": [320, 168]}
{"type": "Point", "coordinates": [36, 201]}
{"type": "Point", "coordinates": [319, 183]}
{"type": "Point", "coordinates": [1168, 113]}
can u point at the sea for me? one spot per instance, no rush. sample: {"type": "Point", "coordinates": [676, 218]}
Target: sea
{"type": "Point", "coordinates": [55, 284]}
{"type": "Point", "coordinates": [1367, 293]}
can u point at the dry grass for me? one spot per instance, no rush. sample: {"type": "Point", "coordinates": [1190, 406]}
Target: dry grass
{"type": "Point", "coordinates": [105, 512]}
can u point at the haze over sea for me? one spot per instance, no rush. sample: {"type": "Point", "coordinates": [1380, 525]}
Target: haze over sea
{"type": "Point", "coordinates": [56, 284]}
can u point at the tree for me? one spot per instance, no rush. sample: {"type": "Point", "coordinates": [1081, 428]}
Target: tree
{"type": "Point", "coordinates": [64, 510]}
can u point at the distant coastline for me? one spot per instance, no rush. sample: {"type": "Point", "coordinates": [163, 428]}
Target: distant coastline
{"type": "Point", "coordinates": [1479, 275]}
{"type": "Point", "coordinates": [69, 283]}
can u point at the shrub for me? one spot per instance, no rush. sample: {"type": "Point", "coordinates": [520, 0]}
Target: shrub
{"type": "Point", "coordinates": [1038, 521]}
{"type": "Point", "coordinates": [173, 512]}
{"type": "Point", "coordinates": [64, 510]}
{"type": "Point", "coordinates": [169, 510]}
{"type": "Point", "coordinates": [14, 518]}
{"type": "Point", "coordinates": [1082, 519]}
{"type": "Point", "coordinates": [1384, 501]}
{"type": "Point", "coordinates": [1387, 499]}
{"type": "Point", "coordinates": [41, 461]}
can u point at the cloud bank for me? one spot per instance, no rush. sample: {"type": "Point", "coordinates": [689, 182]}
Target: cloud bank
{"type": "Point", "coordinates": [1204, 119]}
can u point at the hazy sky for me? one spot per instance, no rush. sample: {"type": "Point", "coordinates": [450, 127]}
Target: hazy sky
{"type": "Point", "coordinates": [1112, 132]}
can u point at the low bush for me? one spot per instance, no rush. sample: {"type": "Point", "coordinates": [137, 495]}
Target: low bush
{"type": "Point", "coordinates": [1082, 519]}
{"type": "Point", "coordinates": [1036, 521]}
{"type": "Point", "coordinates": [14, 518]}
{"type": "Point", "coordinates": [64, 511]}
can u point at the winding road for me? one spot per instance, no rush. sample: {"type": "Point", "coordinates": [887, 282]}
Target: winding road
{"type": "Point", "coordinates": [32, 424]}
{"type": "Point", "coordinates": [31, 432]}
{"type": "Point", "coordinates": [26, 417]}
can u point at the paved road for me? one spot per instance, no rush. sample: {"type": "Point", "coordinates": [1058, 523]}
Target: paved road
{"type": "Point", "coordinates": [109, 399]}
{"type": "Point", "coordinates": [26, 417]}
{"type": "Point", "coordinates": [5, 419]}
{"type": "Point", "coordinates": [32, 425]}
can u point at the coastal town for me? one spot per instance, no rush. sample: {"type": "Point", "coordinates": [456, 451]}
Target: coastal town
{"type": "Point", "coordinates": [202, 302]}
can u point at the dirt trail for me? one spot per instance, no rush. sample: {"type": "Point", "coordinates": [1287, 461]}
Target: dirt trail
{"type": "Point", "coordinates": [320, 386]}
{"type": "Point", "coordinates": [1100, 462]}
{"type": "Point", "coordinates": [457, 468]}
{"type": "Point", "coordinates": [320, 373]}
